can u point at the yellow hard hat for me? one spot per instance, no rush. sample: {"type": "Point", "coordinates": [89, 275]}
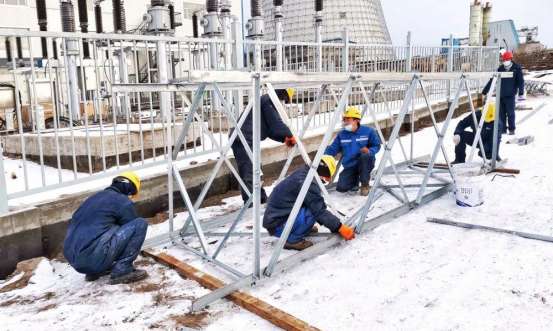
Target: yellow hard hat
{"type": "Point", "coordinates": [327, 166]}
{"type": "Point", "coordinates": [290, 92]}
{"type": "Point", "coordinates": [353, 113]}
{"type": "Point", "coordinates": [490, 114]}
{"type": "Point", "coordinates": [133, 178]}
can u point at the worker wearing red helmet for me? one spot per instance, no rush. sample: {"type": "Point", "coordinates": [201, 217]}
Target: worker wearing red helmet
{"type": "Point", "coordinates": [509, 89]}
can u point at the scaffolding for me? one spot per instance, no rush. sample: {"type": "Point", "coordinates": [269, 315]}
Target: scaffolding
{"type": "Point", "coordinates": [409, 195]}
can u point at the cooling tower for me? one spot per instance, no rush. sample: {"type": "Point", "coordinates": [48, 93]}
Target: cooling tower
{"type": "Point", "coordinates": [364, 19]}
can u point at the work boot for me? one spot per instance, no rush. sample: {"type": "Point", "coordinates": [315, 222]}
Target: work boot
{"type": "Point", "coordinates": [262, 200]}
{"type": "Point", "coordinates": [129, 277]}
{"type": "Point", "coordinates": [511, 132]}
{"type": "Point", "coordinates": [299, 246]}
{"type": "Point", "coordinates": [93, 277]}
{"type": "Point", "coordinates": [314, 229]}
{"type": "Point", "coordinates": [365, 188]}
{"type": "Point", "coordinates": [457, 161]}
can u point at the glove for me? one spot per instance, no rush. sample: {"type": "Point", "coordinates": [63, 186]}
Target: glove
{"type": "Point", "coordinates": [290, 142]}
{"type": "Point", "coordinates": [365, 150]}
{"type": "Point", "coordinates": [346, 232]}
{"type": "Point", "coordinates": [521, 98]}
{"type": "Point", "coordinates": [456, 139]}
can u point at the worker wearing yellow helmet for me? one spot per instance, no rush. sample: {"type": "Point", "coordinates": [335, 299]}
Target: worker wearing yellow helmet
{"type": "Point", "coordinates": [358, 145]}
{"type": "Point", "coordinates": [313, 208]}
{"type": "Point", "coordinates": [462, 138]}
{"type": "Point", "coordinates": [105, 234]}
{"type": "Point", "coordinates": [271, 127]}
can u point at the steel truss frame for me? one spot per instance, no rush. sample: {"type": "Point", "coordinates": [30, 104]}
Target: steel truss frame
{"type": "Point", "coordinates": [200, 81]}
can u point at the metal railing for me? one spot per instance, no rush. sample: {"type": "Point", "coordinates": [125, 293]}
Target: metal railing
{"type": "Point", "coordinates": [64, 124]}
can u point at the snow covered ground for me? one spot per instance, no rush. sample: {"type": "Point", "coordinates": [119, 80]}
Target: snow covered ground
{"type": "Point", "coordinates": [407, 274]}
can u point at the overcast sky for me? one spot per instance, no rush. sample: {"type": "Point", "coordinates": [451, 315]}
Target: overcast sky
{"type": "Point", "coordinates": [430, 20]}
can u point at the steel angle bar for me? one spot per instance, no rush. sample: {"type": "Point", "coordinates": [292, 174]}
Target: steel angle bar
{"type": "Point", "coordinates": [310, 116]}
{"type": "Point", "coordinates": [496, 136]}
{"type": "Point", "coordinates": [532, 113]}
{"type": "Point", "coordinates": [381, 135]}
{"type": "Point", "coordinates": [433, 175]}
{"type": "Point", "coordinates": [309, 252]}
{"type": "Point", "coordinates": [498, 230]}
{"type": "Point", "coordinates": [263, 235]}
{"type": "Point", "coordinates": [190, 207]}
{"type": "Point", "coordinates": [476, 123]}
{"type": "Point", "coordinates": [303, 151]}
{"type": "Point", "coordinates": [218, 165]}
{"type": "Point", "coordinates": [435, 123]}
{"type": "Point", "coordinates": [440, 139]}
{"type": "Point", "coordinates": [256, 184]}
{"type": "Point", "coordinates": [413, 185]}
{"type": "Point", "coordinates": [391, 117]}
{"type": "Point", "coordinates": [189, 118]}
{"type": "Point", "coordinates": [309, 178]}
{"type": "Point", "coordinates": [388, 151]}
{"type": "Point", "coordinates": [284, 78]}
{"type": "Point", "coordinates": [481, 124]}
{"type": "Point", "coordinates": [210, 259]}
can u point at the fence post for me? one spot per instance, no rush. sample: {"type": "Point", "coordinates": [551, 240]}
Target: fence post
{"type": "Point", "coordinates": [409, 56]}
{"type": "Point", "coordinates": [237, 61]}
{"type": "Point", "coordinates": [449, 66]}
{"type": "Point", "coordinates": [345, 50]}
{"type": "Point", "coordinates": [3, 191]}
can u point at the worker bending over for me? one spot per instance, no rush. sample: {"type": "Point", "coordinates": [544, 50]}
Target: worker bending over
{"type": "Point", "coordinates": [105, 235]}
{"type": "Point", "coordinates": [313, 208]}
{"type": "Point", "coordinates": [462, 138]}
{"type": "Point", "coordinates": [272, 126]}
{"type": "Point", "coordinates": [359, 145]}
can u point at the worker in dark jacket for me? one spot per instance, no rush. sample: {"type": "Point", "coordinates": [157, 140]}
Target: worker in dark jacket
{"type": "Point", "coordinates": [359, 145]}
{"type": "Point", "coordinates": [313, 208]}
{"type": "Point", "coordinates": [462, 138]}
{"type": "Point", "coordinates": [105, 235]}
{"type": "Point", "coordinates": [509, 88]}
{"type": "Point", "coordinates": [272, 126]}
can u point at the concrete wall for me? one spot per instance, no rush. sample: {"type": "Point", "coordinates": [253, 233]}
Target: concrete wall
{"type": "Point", "coordinates": [40, 230]}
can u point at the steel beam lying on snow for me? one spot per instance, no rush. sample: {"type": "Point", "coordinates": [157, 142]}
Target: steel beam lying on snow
{"type": "Point", "coordinates": [481, 227]}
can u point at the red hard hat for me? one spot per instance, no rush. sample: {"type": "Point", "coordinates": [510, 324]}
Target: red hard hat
{"type": "Point", "coordinates": [507, 56]}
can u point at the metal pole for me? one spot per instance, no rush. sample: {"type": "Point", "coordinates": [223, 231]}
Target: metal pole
{"type": "Point", "coordinates": [256, 123]}
{"type": "Point", "coordinates": [163, 76]}
{"type": "Point", "coordinates": [409, 55]}
{"type": "Point", "coordinates": [238, 62]}
{"type": "Point", "coordinates": [124, 78]}
{"type": "Point", "coordinates": [319, 40]}
{"type": "Point", "coordinates": [496, 121]}
{"type": "Point", "coordinates": [4, 208]}
{"type": "Point", "coordinates": [278, 37]}
{"type": "Point", "coordinates": [449, 66]}
{"type": "Point", "coordinates": [345, 50]}
{"type": "Point", "coordinates": [72, 48]}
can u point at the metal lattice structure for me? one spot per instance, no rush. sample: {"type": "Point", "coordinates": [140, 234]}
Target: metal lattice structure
{"type": "Point", "coordinates": [364, 19]}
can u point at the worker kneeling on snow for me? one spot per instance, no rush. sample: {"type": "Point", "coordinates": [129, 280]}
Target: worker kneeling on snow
{"type": "Point", "coordinates": [105, 235]}
{"type": "Point", "coordinates": [359, 145]}
{"type": "Point", "coordinates": [462, 138]}
{"type": "Point", "coordinates": [313, 209]}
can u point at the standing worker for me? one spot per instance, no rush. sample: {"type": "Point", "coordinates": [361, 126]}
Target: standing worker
{"type": "Point", "coordinates": [509, 88]}
{"type": "Point", "coordinates": [313, 208]}
{"type": "Point", "coordinates": [462, 138]}
{"type": "Point", "coordinates": [105, 235]}
{"type": "Point", "coordinates": [272, 126]}
{"type": "Point", "coordinates": [359, 145]}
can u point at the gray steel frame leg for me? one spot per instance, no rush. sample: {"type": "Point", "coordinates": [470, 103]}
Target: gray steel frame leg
{"type": "Point", "coordinates": [440, 139]}
{"type": "Point", "coordinates": [496, 123]}
{"type": "Point", "coordinates": [387, 153]}
{"type": "Point", "coordinates": [481, 124]}
{"type": "Point", "coordinates": [256, 123]}
{"type": "Point", "coordinates": [312, 172]}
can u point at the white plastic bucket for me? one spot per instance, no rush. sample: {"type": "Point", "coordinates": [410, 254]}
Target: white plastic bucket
{"type": "Point", "coordinates": [469, 184]}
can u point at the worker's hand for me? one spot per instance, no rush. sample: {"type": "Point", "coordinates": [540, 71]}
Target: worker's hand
{"type": "Point", "coordinates": [365, 150]}
{"type": "Point", "coordinates": [346, 232]}
{"type": "Point", "coordinates": [521, 97]}
{"type": "Point", "coordinates": [456, 139]}
{"type": "Point", "coordinates": [290, 142]}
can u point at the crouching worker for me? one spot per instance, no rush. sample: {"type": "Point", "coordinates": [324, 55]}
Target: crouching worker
{"type": "Point", "coordinates": [462, 138]}
{"type": "Point", "coordinates": [359, 145]}
{"type": "Point", "coordinates": [313, 209]}
{"type": "Point", "coordinates": [105, 235]}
